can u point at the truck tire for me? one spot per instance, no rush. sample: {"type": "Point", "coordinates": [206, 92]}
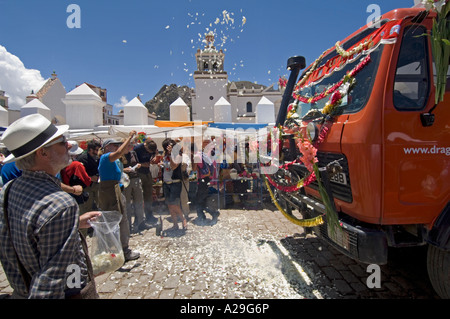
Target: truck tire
{"type": "Point", "coordinates": [438, 265]}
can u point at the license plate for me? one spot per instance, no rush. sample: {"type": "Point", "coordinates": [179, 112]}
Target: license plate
{"type": "Point", "coordinates": [339, 178]}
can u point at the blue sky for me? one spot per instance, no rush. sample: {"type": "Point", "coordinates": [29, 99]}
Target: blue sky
{"type": "Point", "coordinates": [135, 47]}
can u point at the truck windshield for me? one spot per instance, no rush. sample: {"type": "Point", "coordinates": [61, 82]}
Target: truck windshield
{"type": "Point", "coordinates": [360, 93]}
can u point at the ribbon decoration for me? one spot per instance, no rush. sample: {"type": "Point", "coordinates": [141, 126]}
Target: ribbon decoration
{"type": "Point", "coordinates": [311, 222]}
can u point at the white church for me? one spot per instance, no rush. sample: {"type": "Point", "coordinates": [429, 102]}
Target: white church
{"type": "Point", "coordinates": [214, 98]}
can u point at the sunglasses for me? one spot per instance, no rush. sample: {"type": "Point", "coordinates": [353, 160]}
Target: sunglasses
{"type": "Point", "coordinates": [61, 140]}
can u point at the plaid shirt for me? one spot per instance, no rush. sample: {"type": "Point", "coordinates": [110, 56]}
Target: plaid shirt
{"type": "Point", "coordinates": [44, 224]}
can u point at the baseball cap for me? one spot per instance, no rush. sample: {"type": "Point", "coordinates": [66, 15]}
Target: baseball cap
{"type": "Point", "coordinates": [111, 141]}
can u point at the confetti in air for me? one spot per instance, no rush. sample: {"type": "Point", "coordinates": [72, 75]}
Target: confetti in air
{"type": "Point", "coordinates": [227, 27]}
{"type": "Point", "coordinates": [224, 27]}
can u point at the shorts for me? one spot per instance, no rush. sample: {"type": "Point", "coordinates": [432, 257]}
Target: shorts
{"type": "Point", "coordinates": [172, 193]}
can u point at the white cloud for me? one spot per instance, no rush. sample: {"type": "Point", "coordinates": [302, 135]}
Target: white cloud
{"type": "Point", "coordinates": [122, 102]}
{"type": "Point", "coordinates": [119, 105]}
{"type": "Point", "coordinates": [16, 80]}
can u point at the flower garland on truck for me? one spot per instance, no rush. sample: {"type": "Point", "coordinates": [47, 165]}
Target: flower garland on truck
{"type": "Point", "coordinates": [306, 147]}
{"type": "Point", "coordinates": [337, 92]}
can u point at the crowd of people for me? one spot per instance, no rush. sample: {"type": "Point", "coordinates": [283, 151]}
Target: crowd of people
{"type": "Point", "coordinates": [52, 189]}
{"type": "Point", "coordinates": [136, 166]}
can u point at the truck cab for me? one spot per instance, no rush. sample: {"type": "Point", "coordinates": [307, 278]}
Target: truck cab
{"type": "Point", "coordinates": [390, 139]}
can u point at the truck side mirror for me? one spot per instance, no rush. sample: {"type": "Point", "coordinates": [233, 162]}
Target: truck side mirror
{"type": "Point", "coordinates": [296, 62]}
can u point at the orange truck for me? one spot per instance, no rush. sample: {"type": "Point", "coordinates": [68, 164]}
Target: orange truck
{"type": "Point", "coordinates": [390, 142]}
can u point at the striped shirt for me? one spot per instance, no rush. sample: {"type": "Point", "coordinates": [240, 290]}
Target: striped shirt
{"type": "Point", "coordinates": [44, 223]}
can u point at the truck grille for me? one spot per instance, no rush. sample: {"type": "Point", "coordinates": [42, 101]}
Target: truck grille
{"type": "Point", "coordinates": [347, 243]}
{"type": "Point", "coordinates": [340, 191]}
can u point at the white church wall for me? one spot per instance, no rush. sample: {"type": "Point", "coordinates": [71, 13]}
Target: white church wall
{"type": "Point", "coordinates": [135, 113]}
{"type": "Point", "coordinates": [53, 100]}
{"type": "Point", "coordinates": [13, 115]}
{"type": "Point", "coordinates": [265, 111]}
{"type": "Point", "coordinates": [207, 92]}
{"type": "Point", "coordinates": [77, 110]}
{"type": "Point", "coordinates": [35, 106]}
{"type": "Point", "coordinates": [80, 102]}
{"type": "Point", "coordinates": [222, 111]}
{"type": "Point", "coordinates": [28, 111]}
{"type": "Point", "coordinates": [4, 117]}
{"type": "Point", "coordinates": [239, 107]}
{"type": "Point", "coordinates": [179, 111]}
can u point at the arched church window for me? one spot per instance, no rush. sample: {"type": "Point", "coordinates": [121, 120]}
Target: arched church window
{"type": "Point", "coordinates": [249, 107]}
{"type": "Point", "coordinates": [205, 66]}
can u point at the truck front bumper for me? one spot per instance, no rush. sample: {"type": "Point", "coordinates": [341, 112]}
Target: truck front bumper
{"type": "Point", "coordinates": [363, 244]}
{"type": "Point", "coordinates": [367, 245]}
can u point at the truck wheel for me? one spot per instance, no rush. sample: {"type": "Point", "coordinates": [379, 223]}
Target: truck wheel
{"type": "Point", "coordinates": [438, 265]}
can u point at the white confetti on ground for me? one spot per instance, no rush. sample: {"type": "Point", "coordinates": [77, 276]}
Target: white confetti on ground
{"type": "Point", "coordinates": [230, 262]}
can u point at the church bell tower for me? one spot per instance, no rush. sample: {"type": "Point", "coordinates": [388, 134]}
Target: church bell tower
{"type": "Point", "coordinates": [210, 80]}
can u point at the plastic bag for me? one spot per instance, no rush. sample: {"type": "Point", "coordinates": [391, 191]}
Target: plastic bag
{"type": "Point", "coordinates": [106, 251]}
{"type": "Point", "coordinates": [124, 180]}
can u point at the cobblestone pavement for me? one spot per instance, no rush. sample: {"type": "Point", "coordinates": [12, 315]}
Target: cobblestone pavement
{"type": "Point", "coordinates": [252, 254]}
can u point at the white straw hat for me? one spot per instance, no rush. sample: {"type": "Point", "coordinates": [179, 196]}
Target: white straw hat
{"type": "Point", "coordinates": [75, 149]}
{"type": "Point", "coordinates": [28, 134]}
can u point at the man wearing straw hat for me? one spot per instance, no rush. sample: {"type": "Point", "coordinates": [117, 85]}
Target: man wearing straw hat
{"type": "Point", "coordinates": [40, 245]}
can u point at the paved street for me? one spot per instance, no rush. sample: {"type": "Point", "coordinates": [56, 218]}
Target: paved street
{"type": "Point", "coordinates": [252, 254]}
